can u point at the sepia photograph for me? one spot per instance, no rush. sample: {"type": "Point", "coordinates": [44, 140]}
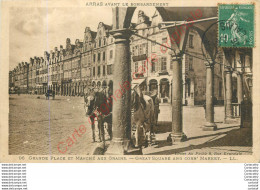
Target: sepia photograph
{"type": "Point", "coordinates": [132, 82]}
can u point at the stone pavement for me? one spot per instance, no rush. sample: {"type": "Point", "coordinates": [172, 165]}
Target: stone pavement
{"type": "Point", "coordinates": [36, 126]}
{"type": "Point", "coordinates": [227, 139]}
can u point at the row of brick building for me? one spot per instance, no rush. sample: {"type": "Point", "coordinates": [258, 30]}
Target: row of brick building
{"type": "Point", "coordinates": [71, 69]}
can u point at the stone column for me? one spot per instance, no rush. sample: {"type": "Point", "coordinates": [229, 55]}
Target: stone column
{"type": "Point", "coordinates": [239, 87]}
{"type": "Point", "coordinates": [210, 125]}
{"type": "Point", "coordinates": [159, 88]}
{"type": "Point", "coordinates": [229, 89]}
{"type": "Point", "coordinates": [122, 105]}
{"type": "Point", "coordinates": [184, 93]}
{"type": "Point", "coordinates": [177, 134]}
{"type": "Point", "coordinates": [192, 92]}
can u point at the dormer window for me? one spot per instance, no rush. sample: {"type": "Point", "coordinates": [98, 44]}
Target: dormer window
{"type": "Point", "coordinates": [99, 43]}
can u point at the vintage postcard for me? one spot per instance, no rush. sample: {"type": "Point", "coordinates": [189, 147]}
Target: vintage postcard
{"type": "Point", "coordinates": [130, 81]}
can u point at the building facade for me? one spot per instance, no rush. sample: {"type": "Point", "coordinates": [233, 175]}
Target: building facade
{"type": "Point", "coordinates": [70, 70]}
{"type": "Point", "coordinates": [158, 75]}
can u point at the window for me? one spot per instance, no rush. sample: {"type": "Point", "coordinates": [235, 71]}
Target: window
{"type": "Point", "coordinates": [171, 65]}
{"type": "Point", "coordinates": [104, 70]}
{"type": "Point", "coordinates": [188, 86]}
{"type": "Point", "coordinates": [89, 59]}
{"type": "Point", "coordinates": [133, 51]}
{"type": "Point", "coordinates": [104, 56]}
{"type": "Point", "coordinates": [94, 71]}
{"type": "Point", "coordinates": [163, 64]}
{"type": "Point", "coordinates": [190, 63]}
{"type": "Point", "coordinates": [98, 71]}
{"type": "Point", "coordinates": [104, 42]}
{"type": "Point", "coordinates": [111, 54]}
{"type": "Point", "coordinates": [94, 58]}
{"type": "Point", "coordinates": [144, 48]}
{"type": "Point", "coordinates": [153, 47]}
{"type": "Point", "coordinates": [136, 50]}
{"type": "Point", "coordinates": [109, 69]}
{"type": "Point", "coordinates": [99, 55]}
{"type": "Point", "coordinates": [136, 67]}
{"type": "Point", "coordinates": [191, 41]}
{"type": "Point", "coordinates": [144, 66]}
{"type": "Point", "coordinates": [220, 89]}
{"type": "Point", "coordinates": [140, 49]}
{"type": "Point", "coordinates": [89, 72]}
{"type": "Point", "coordinates": [164, 40]}
{"type": "Point", "coordinates": [99, 43]}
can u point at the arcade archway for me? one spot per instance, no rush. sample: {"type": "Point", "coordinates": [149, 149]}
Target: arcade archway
{"type": "Point", "coordinates": [122, 32]}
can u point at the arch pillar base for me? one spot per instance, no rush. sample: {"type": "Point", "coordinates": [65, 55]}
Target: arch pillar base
{"type": "Point", "coordinates": [118, 147]}
{"type": "Point", "coordinates": [209, 127]}
{"type": "Point", "coordinates": [177, 137]}
{"type": "Point", "coordinates": [231, 120]}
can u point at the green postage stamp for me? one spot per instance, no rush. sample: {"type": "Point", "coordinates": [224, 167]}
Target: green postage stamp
{"type": "Point", "coordinates": [236, 25]}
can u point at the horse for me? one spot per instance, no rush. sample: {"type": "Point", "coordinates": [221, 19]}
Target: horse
{"type": "Point", "coordinates": [156, 101]}
{"type": "Point", "coordinates": [97, 106]}
{"type": "Point", "coordinates": [143, 117]}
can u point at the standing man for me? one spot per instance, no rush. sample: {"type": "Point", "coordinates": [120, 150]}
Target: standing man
{"type": "Point", "coordinates": [18, 91]}
{"type": "Point", "coordinates": [156, 107]}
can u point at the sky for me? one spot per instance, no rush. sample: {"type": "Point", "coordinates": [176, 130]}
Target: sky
{"type": "Point", "coordinates": [35, 30]}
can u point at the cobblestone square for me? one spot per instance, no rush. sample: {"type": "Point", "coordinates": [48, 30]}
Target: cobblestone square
{"type": "Point", "coordinates": [37, 125]}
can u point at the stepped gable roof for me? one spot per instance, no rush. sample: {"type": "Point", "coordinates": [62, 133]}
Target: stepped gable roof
{"type": "Point", "coordinates": [107, 27]}
{"type": "Point", "coordinates": [93, 34]}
